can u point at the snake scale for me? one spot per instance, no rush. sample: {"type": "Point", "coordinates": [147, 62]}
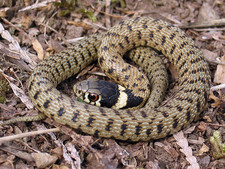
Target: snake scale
{"type": "Point", "coordinates": [108, 94]}
{"type": "Point", "coordinates": [134, 125]}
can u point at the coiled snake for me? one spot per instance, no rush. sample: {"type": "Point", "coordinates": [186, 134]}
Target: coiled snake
{"type": "Point", "coordinates": [108, 94]}
{"type": "Point", "coordinates": [143, 124]}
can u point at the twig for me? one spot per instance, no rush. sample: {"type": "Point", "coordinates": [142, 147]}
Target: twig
{"type": "Point", "coordinates": [217, 62]}
{"type": "Point", "coordinates": [218, 87]}
{"type": "Point", "coordinates": [218, 125]}
{"type": "Point", "coordinates": [115, 16]}
{"type": "Point", "coordinates": [212, 23]}
{"type": "Point", "coordinates": [64, 40]}
{"type": "Point", "coordinates": [72, 40]}
{"type": "Point", "coordinates": [22, 135]}
{"type": "Point", "coordinates": [107, 10]}
{"type": "Point", "coordinates": [100, 26]}
{"type": "Point", "coordinates": [38, 5]}
{"type": "Point", "coordinates": [209, 29]}
{"type": "Point", "coordinates": [14, 26]}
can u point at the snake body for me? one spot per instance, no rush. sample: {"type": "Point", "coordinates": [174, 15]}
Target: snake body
{"type": "Point", "coordinates": [134, 125]}
{"type": "Point", "coordinates": [112, 95]}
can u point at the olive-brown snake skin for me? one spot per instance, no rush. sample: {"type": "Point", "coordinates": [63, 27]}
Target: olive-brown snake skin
{"type": "Point", "coordinates": [134, 125]}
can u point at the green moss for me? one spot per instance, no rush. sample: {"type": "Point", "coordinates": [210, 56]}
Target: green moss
{"type": "Point", "coordinates": [69, 6]}
{"type": "Point", "coordinates": [218, 146]}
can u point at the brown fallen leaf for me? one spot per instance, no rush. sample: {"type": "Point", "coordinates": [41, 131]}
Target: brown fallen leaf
{"type": "Point", "coordinates": [167, 150]}
{"type": "Point", "coordinates": [210, 56]}
{"type": "Point", "coordinates": [38, 48]}
{"type": "Point", "coordinates": [203, 149]}
{"type": "Point", "coordinates": [220, 72]}
{"type": "Point", "coordinates": [207, 13]}
{"type": "Point", "coordinates": [27, 2]}
{"type": "Point", "coordinates": [26, 21]}
{"type": "Point", "coordinates": [202, 126]}
{"type": "Point", "coordinates": [186, 150]}
{"type": "Point", "coordinates": [208, 119]}
{"type": "Point", "coordinates": [85, 71]}
{"type": "Point", "coordinates": [80, 24]}
{"type": "Point", "coordinates": [200, 141]}
{"type": "Point", "coordinates": [43, 160]}
{"type": "Point", "coordinates": [16, 152]}
{"type": "Point", "coordinates": [219, 100]}
{"type": "Point", "coordinates": [174, 72]}
{"type": "Point", "coordinates": [21, 94]}
{"type": "Point", "coordinates": [54, 166]}
{"type": "Point", "coordinates": [74, 155]}
{"type": "Point", "coordinates": [189, 130]}
{"type": "Point", "coordinates": [7, 162]}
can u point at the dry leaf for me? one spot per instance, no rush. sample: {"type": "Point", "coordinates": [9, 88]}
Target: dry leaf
{"type": "Point", "coordinates": [57, 152]}
{"type": "Point", "coordinates": [54, 166]}
{"type": "Point", "coordinates": [3, 12]}
{"type": "Point", "coordinates": [55, 46]}
{"type": "Point", "coordinates": [21, 94]}
{"type": "Point", "coordinates": [210, 56]}
{"type": "Point", "coordinates": [208, 119]}
{"type": "Point", "coordinates": [189, 130]}
{"type": "Point", "coordinates": [173, 71]}
{"type": "Point", "coordinates": [81, 24]}
{"type": "Point", "coordinates": [202, 126]}
{"type": "Point", "coordinates": [27, 2]}
{"type": "Point", "coordinates": [207, 13]}
{"type": "Point", "coordinates": [38, 48]}
{"type": "Point", "coordinates": [32, 32]}
{"type": "Point", "coordinates": [26, 21]}
{"type": "Point", "coordinates": [218, 99]}
{"type": "Point", "coordinates": [204, 149]}
{"type": "Point", "coordinates": [200, 141]}
{"type": "Point", "coordinates": [183, 143]}
{"type": "Point", "coordinates": [14, 45]}
{"type": "Point", "coordinates": [74, 154]}
{"type": "Point", "coordinates": [43, 160]}
{"type": "Point", "coordinates": [38, 5]}
{"type": "Point", "coordinates": [220, 72]}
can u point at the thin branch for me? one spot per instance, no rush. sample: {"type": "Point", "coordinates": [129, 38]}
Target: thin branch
{"type": "Point", "coordinates": [115, 16]}
{"type": "Point", "coordinates": [22, 135]}
{"type": "Point", "coordinates": [218, 125]}
{"type": "Point", "coordinates": [218, 87]}
{"type": "Point", "coordinates": [212, 23]}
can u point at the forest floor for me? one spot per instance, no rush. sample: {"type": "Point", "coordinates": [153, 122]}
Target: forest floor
{"type": "Point", "coordinates": [33, 30]}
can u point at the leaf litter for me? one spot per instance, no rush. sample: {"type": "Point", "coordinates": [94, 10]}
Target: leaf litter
{"type": "Point", "coordinates": [37, 30]}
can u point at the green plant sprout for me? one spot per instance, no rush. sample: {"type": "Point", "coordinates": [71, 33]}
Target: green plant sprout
{"type": "Point", "coordinates": [219, 147]}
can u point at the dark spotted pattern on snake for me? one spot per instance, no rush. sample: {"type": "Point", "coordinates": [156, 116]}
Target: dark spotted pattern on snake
{"type": "Point", "coordinates": [134, 125]}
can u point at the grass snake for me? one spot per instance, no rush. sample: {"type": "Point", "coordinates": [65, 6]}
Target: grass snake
{"type": "Point", "coordinates": [135, 125]}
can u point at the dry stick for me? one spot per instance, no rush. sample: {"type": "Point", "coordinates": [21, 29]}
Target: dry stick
{"type": "Point", "coordinates": [218, 125]}
{"type": "Point", "coordinates": [217, 62]}
{"type": "Point", "coordinates": [16, 27]}
{"type": "Point", "coordinates": [141, 11]}
{"type": "Point", "coordinates": [22, 135]}
{"type": "Point", "coordinates": [107, 10]}
{"type": "Point", "coordinates": [115, 16]}
{"type": "Point", "coordinates": [222, 86]}
{"type": "Point", "coordinates": [209, 29]}
{"type": "Point", "coordinates": [49, 27]}
{"type": "Point", "coordinates": [212, 23]}
{"type": "Point", "coordinates": [38, 5]}
{"type": "Point", "coordinates": [94, 24]}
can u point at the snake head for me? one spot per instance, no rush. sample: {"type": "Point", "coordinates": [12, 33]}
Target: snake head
{"type": "Point", "coordinates": [97, 92]}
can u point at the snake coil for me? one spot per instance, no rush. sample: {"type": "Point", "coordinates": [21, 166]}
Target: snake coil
{"type": "Point", "coordinates": [143, 124]}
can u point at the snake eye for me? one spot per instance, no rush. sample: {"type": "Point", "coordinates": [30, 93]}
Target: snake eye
{"type": "Point", "coordinates": [93, 97]}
